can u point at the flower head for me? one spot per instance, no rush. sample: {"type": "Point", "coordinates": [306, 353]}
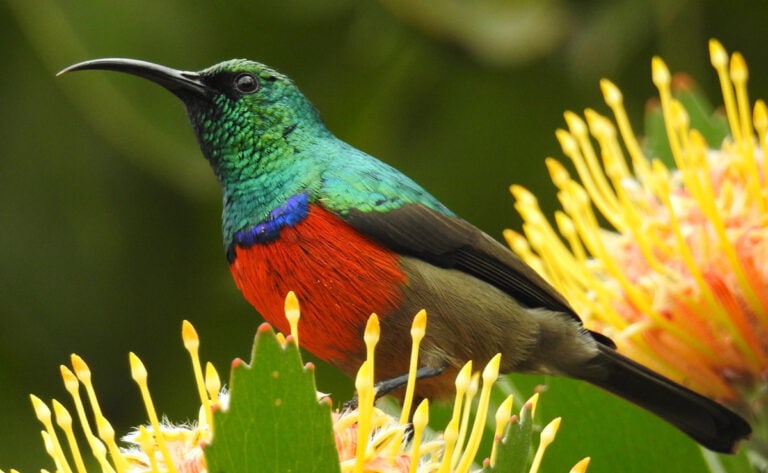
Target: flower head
{"type": "Point", "coordinates": [367, 439]}
{"type": "Point", "coordinates": [679, 275]}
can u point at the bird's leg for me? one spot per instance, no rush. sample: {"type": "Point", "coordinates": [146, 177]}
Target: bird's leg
{"type": "Point", "coordinates": [382, 388]}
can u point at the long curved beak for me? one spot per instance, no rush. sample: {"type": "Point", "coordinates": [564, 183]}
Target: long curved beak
{"type": "Point", "coordinates": [183, 84]}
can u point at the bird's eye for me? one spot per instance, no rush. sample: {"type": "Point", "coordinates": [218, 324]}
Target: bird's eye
{"type": "Point", "coordinates": [246, 83]}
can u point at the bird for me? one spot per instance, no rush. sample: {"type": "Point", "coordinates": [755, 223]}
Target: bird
{"type": "Point", "coordinates": [304, 211]}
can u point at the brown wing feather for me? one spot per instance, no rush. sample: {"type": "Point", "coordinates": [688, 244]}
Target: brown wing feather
{"type": "Point", "coordinates": [450, 242]}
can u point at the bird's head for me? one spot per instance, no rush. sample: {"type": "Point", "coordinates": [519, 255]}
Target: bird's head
{"type": "Point", "coordinates": [240, 109]}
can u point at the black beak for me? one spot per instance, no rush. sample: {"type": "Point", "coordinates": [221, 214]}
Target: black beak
{"type": "Point", "coordinates": [183, 84]}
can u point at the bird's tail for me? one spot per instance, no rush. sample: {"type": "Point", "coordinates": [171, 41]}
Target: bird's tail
{"type": "Point", "coordinates": [710, 424]}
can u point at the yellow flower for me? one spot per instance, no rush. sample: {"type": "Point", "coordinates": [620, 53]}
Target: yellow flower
{"type": "Point", "coordinates": [680, 276]}
{"type": "Point", "coordinates": [368, 439]}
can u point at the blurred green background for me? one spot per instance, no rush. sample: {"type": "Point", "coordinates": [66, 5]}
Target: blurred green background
{"type": "Point", "coordinates": [110, 215]}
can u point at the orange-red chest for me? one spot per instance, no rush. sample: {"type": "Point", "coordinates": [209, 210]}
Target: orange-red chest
{"type": "Point", "coordinates": [339, 275]}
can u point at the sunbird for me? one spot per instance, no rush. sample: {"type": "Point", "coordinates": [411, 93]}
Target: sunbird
{"type": "Point", "coordinates": [351, 235]}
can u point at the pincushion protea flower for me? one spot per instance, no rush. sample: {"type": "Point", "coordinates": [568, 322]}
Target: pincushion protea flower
{"type": "Point", "coordinates": [367, 439]}
{"type": "Point", "coordinates": [679, 275]}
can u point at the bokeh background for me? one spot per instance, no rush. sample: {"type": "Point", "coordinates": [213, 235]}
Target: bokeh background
{"type": "Point", "coordinates": [109, 215]}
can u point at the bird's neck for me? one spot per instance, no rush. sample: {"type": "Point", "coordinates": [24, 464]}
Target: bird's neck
{"type": "Point", "coordinates": [258, 181]}
{"type": "Point", "coordinates": [251, 196]}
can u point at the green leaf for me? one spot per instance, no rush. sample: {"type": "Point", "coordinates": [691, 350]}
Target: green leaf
{"type": "Point", "coordinates": [274, 422]}
{"type": "Point", "coordinates": [515, 449]}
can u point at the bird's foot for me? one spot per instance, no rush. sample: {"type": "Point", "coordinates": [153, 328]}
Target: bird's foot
{"type": "Point", "coordinates": [384, 387]}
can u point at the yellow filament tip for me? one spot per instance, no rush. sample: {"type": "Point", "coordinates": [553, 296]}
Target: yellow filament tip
{"type": "Point", "coordinates": [546, 438]}
{"type": "Point", "coordinates": [739, 71]}
{"type": "Point", "coordinates": [64, 421]}
{"type": "Point", "coordinates": [660, 73]}
{"type": "Point", "coordinates": [418, 330]}
{"type": "Point", "coordinates": [503, 414]}
{"type": "Point", "coordinates": [192, 344]}
{"type": "Point", "coordinates": [81, 368]}
{"type": "Point", "coordinates": [42, 411]}
{"type": "Point", "coordinates": [581, 466]}
{"type": "Point", "coordinates": [450, 436]}
{"type": "Point", "coordinates": [292, 313]}
{"type": "Point", "coordinates": [70, 380]}
{"type": "Point", "coordinates": [371, 338]}
{"type": "Point", "coordinates": [611, 94]}
{"type": "Point", "coordinates": [420, 421]}
{"type": "Point", "coordinates": [212, 383]}
{"type": "Point", "coordinates": [717, 54]}
{"type": "Point", "coordinates": [365, 395]}
{"type": "Point", "coordinates": [189, 336]}
{"type": "Point", "coordinates": [490, 374]}
{"type": "Point", "coordinates": [139, 375]}
{"type": "Point", "coordinates": [557, 172]}
{"type": "Point", "coordinates": [575, 123]}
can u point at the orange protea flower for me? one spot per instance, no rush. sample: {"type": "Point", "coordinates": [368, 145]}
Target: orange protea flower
{"type": "Point", "coordinates": [368, 440]}
{"type": "Point", "coordinates": [680, 281]}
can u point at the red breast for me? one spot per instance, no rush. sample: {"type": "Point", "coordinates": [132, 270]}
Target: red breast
{"type": "Point", "coordinates": [339, 275]}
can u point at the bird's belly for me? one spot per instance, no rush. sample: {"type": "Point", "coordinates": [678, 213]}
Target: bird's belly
{"type": "Point", "coordinates": [339, 275]}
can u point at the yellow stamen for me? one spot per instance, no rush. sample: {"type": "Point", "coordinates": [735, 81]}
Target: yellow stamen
{"type": "Point", "coordinates": [615, 100]}
{"type": "Point", "coordinates": [463, 383]}
{"type": "Point", "coordinates": [533, 402]}
{"type": "Point", "coordinates": [420, 421]}
{"type": "Point", "coordinates": [660, 182]}
{"type": "Point", "coordinates": [546, 438]}
{"type": "Point", "coordinates": [212, 384]}
{"type": "Point", "coordinates": [605, 133]}
{"type": "Point", "coordinates": [192, 345]}
{"type": "Point", "coordinates": [746, 147]}
{"type": "Point", "coordinates": [449, 436]}
{"type": "Point", "coordinates": [739, 75]}
{"type": "Point", "coordinates": [371, 338]}
{"type": "Point", "coordinates": [292, 313]}
{"type": "Point", "coordinates": [365, 398]}
{"type": "Point", "coordinates": [139, 375]}
{"type": "Point", "coordinates": [72, 385]}
{"type": "Point", "coordinates": [83, 373]}
{"type": "Point", "coordinates": [673, 120]}
{"type": "Point", "coordinates": [43, 414]}
{"type": "Point", "coordinates": [503, 414]}
{"type": "Point", "coordinates": [64, 421]}
{"type": "Point", "coordinates": [418, 330]}
{"type": "Point", "coordinates": [48, 445]}
{"type": "Point", "coordinates": [596, 184]}
{"type": "Point", "coordinates": [490, 374]}
{"type": "Point", "coordinates": [568, 230]}
{"type": "Point", "coordinates": [575, 150]}
{"type": "Point", "coordinates": [570, 275]}
{"type": "Point", "coordinates": [107, 435]}
{"type": "Point", "coordinates": [466, 415]}
{"type": "Point", "coordinates": [719, 59]}
{"type": "Point", "coordinates": [760, 119]}
{"type": "Point", "coordinates": [581, 466]}
{"type": "Point", "coordinates": [708, 204]}
{"type": "Point", "coordinates": [149, 446]}
{"type": "Point", "coordinates": [576, 204]}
